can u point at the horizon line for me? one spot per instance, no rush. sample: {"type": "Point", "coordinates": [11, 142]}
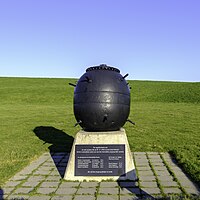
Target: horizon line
{"type": "Point", "coordinates": [62, 77]}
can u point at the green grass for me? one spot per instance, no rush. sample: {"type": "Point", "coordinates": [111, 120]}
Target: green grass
{"type": "Point", "coordinates": [166, 115]}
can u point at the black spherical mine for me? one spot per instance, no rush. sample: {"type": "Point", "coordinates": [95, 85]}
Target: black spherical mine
{"type": "Point", "coordinates": [101, 99]}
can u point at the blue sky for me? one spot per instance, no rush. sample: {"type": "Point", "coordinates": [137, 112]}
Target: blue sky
{"type": "Point", "coordinates": [149, 39]}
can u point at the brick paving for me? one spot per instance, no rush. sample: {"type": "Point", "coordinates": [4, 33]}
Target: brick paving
{"type": "Point", "coordinates": [158, 177]}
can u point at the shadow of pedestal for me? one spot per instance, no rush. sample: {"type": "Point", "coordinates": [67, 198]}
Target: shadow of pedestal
{"type": "Point", "coordinates": [1, 194]}
{"type": "Point", "coordinates": [60, 142]}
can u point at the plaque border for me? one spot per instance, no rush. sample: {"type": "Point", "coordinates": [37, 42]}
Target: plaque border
{"type": "Point", "coordinates": [101, 174]}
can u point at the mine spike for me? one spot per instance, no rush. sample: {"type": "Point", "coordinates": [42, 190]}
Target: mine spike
{"type": "Point", "coordinates": [72, 84]}
{"type": "Point", "coordinates": [77, 123]}
{"type": "Point", "coordinates": [125, 76]}
{"type": "Point", "coordinates": [128, 120]}
{"type": "Point", "coordinates": [122, 78]}
{"type": "Point", "coordinates": [105, 117]}
{"type": "Point", "coordinates": [129, 86]}
{"type": "Point", "coordinates": [88, 79]}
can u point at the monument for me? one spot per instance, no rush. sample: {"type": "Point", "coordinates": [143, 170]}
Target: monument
{"type": "Point", "coordinates": [101, 107]}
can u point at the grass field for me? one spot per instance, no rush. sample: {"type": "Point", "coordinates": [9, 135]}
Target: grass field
{"type": "Point", "coordinates": [36, 115]}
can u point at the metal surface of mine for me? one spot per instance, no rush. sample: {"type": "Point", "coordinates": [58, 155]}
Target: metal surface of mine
{"type": "Point", "coordinates": [101, 99]}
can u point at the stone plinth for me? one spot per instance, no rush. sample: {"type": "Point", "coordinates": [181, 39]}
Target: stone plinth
{"type": "Point", "coordinates": [101, 138]}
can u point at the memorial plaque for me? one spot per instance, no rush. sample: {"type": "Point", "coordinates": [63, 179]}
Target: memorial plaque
{"type": "Point", "coordinates": [99, 160]}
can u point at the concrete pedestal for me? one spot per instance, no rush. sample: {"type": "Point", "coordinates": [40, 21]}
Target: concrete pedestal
{"type": "Point", "coordinates": [101, 138]}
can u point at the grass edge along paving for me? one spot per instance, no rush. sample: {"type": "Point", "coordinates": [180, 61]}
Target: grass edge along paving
{"type": "Point", "coordinates": [166, 116]}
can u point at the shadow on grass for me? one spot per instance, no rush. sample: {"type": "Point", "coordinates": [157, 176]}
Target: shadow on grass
{"type": "Point", "coordinates": [60, 142]}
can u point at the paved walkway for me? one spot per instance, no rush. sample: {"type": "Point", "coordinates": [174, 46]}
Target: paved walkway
{"type": "Point", "coordinates": [159, 177]}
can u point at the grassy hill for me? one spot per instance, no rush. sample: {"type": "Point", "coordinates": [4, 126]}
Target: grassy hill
{"type": "Point", "coordinates": [166, 115]}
